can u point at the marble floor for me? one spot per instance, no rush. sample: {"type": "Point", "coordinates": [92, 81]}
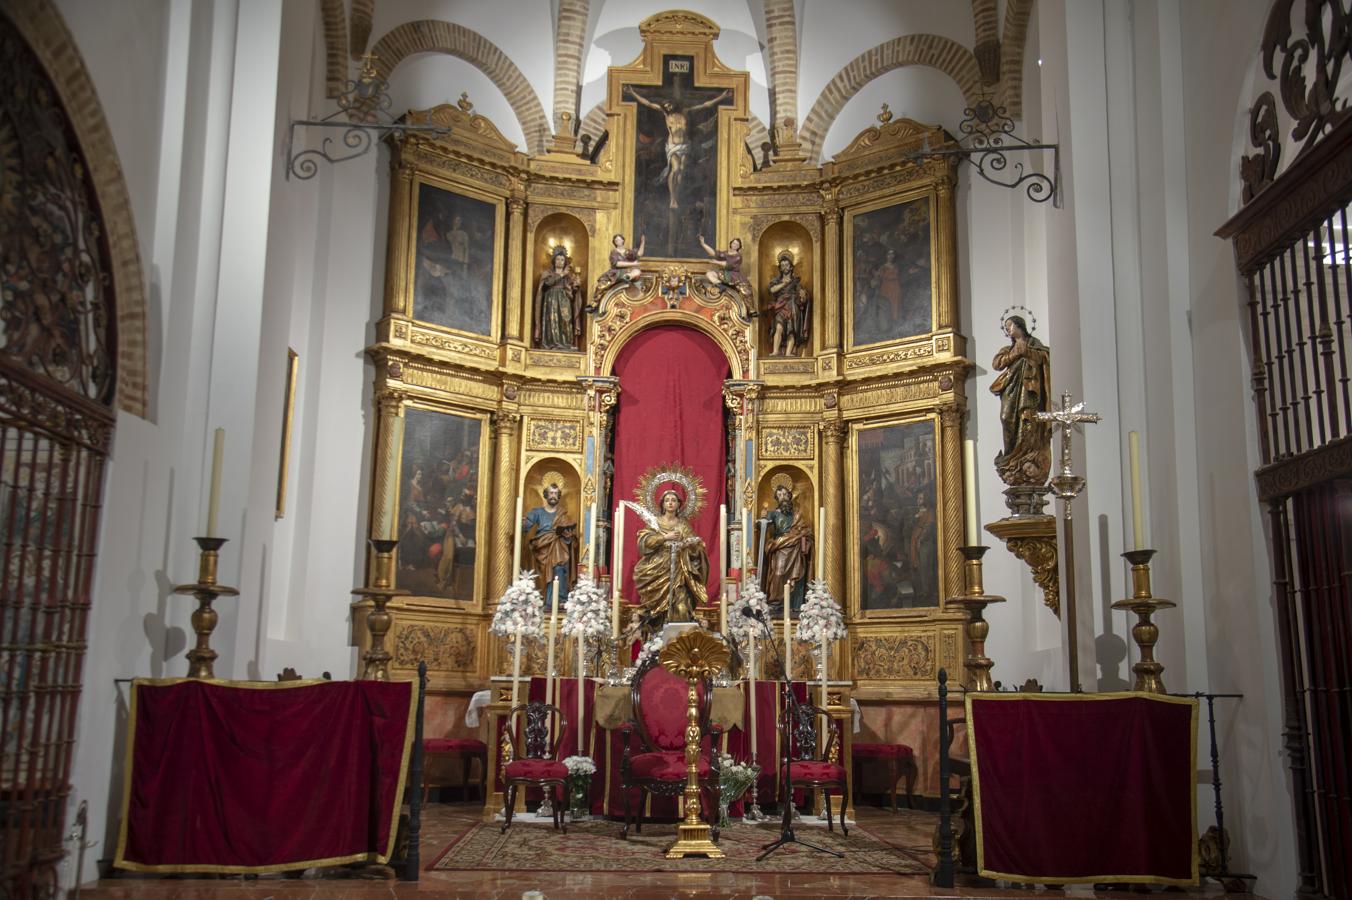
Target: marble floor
{"type": "Point", "coordinates": [443, 821]}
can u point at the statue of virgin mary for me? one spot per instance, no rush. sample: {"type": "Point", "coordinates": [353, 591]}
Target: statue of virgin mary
{"type": "Point", "coordinates": [673, 567]}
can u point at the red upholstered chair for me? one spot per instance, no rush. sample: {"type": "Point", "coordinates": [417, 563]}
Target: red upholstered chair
{"type": "Point", "coordinates": [654, 741]}
{"type": "Point", "coordinates": [537, 766]}
{"type": "Point", "coordinates": [468, 749]}
{"type": "Point", "coordinates": [802, 765]}
{"type": "Point", "coordinates": [900, 760]}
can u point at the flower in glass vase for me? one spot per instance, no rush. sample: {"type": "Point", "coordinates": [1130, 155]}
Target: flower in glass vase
{"type": "Point", "coordinates": [733, 780]}
{"type": "Point", "coordinates": [580, 772]}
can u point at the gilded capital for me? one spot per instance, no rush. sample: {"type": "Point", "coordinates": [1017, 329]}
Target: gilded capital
{"type": "Point", "coordinates": [833, 432]}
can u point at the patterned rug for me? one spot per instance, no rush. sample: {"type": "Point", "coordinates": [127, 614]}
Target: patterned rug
{"type": "Point", "coordinates": [596, 847]}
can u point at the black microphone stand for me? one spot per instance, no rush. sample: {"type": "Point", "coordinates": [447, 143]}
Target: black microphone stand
{"type": "Point", "coordinates": [786, 834]}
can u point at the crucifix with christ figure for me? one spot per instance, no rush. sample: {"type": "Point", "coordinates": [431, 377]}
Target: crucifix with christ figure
{"type": "Point", "coordinates": [1068, 486]}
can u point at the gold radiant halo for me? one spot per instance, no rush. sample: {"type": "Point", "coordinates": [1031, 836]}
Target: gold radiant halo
{"type": "Point", "coordinates": [783, 479]}
{"type": "Point", "coordinates": [553, 477]}
{"type": "Point", "coordinates": [695, 654]}
{"type": "Point", "coordinates": [692, 484]}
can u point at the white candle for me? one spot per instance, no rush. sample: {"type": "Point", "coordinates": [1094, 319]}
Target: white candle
{"type": "Point", "coordinates": [723, 610]}
{"type": "Point", "coordinates": [1137, 515]}
{"type": "Point", "coordinates": [214, 495]}
{"type": "Point", "coordinates": [549, 654]}
{"type": "Point", "coordinates": [617, 576]}
{"type": "Point", "coordinates": [591, 539]}
{"type": "Point", "coordinates": [722, 543]}
{"type": "Point", "coordinates": [581, 682]}
{"type": "Point", "coordinates": [825, 658]}
{"type": "Point", "coordinates": [788, 636]}
{"type": "Point", "coordinates": [972, 536]}
{"type": "Point", "coordinates": [752, 682]}
{"type": "Point", "coordinates": [516, 669]}
{"type": "Point", "coordinates": [821, 542]}
{"type": "Point", "coordinates": [746, 540]}
{"type": "Point", "coordinates": [516, 540]}
{"type": "Point", "coordinates": [392, 500]}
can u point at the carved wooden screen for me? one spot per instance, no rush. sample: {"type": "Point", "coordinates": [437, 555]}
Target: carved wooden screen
{"type": "Point", "coordinates": [1291, 245]}
{"type": "Point", "coordinates": [56, 391]}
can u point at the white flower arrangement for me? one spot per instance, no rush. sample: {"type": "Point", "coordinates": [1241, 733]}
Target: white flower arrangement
{"type": "Point", "coordinates": [742, 628]}
{"type": "Point", "coordinates": [650, 649]}
{"type": "Point", "coordinates": [522, 608]}
{"type": "Point", "coordinates": [587, 612]}
{"type": "Point", "coordinates": [820, 618]}
{"type": "Point", "coordinates": [580, 765]}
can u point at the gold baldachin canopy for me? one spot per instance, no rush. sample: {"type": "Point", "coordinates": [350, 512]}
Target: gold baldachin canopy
{"type": "Point", "coordinates": [685, 478]}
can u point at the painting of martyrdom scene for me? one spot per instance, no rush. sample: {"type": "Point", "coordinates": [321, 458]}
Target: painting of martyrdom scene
{"type": "Point", "coordinates": [676, 160]}
{"type": "Point", "coordinates": [893, 293]}
{"type": "Point", "coordinates": [898, 517]}
{"type": "Point", "coordinates": [453, 276]}
{"type": "Point", "coordinates": [439, 504]}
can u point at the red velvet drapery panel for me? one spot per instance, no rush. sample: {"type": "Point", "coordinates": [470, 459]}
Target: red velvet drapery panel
{"type": "Point", "coordinates": [250, 777]}
{"type": "Point", "coordinates": [671, 411]}
{"type": "Point", "coordinates": [1085, 788]}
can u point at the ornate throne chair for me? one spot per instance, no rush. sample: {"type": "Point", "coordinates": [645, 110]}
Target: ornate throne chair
{"type": "Point", "coordinates": [654, 741]}
{"type": "Point", "coordinates": [537, 767]}
{"type": "Point", "coordinates": [803, 765]}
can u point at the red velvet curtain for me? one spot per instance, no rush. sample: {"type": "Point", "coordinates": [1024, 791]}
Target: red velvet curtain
{"type": "Point", "coordinates": [1094, 788]}
{"type": "Point", "coordinates": [264, 777]}
{"type": "Point", "coordinates": [671, 411]}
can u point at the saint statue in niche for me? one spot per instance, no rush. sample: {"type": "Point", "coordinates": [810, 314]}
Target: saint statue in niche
{"type": "Point", "coordinates": [624, 264]}
{"type": "Point", "coordinates": [554, 544]}
{"type": "Point", "coordinates": [788, 547]}
{"type": "Point", "coordinates": [673, 566]}
{"type": "Point", "coordinates": [558, 304]}
{"type": "Point", "coordinates": [729, 277]}
{"type": "Point", "coordinates": [1022, 384]}
{"type": "Point", "coordinates": [790, 310]}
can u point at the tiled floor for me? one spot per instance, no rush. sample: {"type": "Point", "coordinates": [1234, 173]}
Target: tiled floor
{"type": "Point", "coordinates": [442, 822]}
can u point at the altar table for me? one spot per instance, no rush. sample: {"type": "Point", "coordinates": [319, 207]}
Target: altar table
{"type": "Point", "coordinates": [607, 707]}
{"type": "Point", "coordinates": [1085, 787]}
{"type": "Point", "coordinates": [253, 777]}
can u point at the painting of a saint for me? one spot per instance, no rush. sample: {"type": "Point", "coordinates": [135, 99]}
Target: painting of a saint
{"type": "Point", "coordinates": [453, 275]}
{"type": "Point", "coordinates": [897, 524]}
{"type": "Point", "coordinates": [439, 504]}
{"type": "Point", "coordinates": [892, 293]}
{"type": "Point", "coordinates": [676, 161]}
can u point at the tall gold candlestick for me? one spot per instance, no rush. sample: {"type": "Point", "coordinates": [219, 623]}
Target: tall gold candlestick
{"type": "Point", "coordinates": [201, 658]}
{"type": "Point", "coordinates": [975, 600]}
{"type": "Point", "coordinates": [376, 661]}
{"type": "Point", "coordinates": [1145, 632]}
{"type": "Point", "coordinates": [694, 656]}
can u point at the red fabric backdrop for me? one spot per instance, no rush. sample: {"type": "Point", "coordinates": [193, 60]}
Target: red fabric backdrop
{"type": "Point", "coordinates": [229, 778]}
{"type": "Point", "coordinates": [671, 411]}
{"type": "Point", "coordinates": [1092, 788]}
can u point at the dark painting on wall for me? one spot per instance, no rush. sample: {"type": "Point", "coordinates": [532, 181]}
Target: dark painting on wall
{"type": "Point", "coordinates": [439, 504]}
{"type": "Point", "coordinates": [892, 294]}
{"type": "Point", "coordinates": [676, 161]}
{"type": "Point", "coordinates": [453, 277]}
{"type": "Point", "coordinates": [897, 517]}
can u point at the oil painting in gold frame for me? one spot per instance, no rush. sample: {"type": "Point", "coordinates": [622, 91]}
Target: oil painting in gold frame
{"type": "Point", "coordinates": [890, 271]}
{"type": "Point", "coordinates": [457, 259]}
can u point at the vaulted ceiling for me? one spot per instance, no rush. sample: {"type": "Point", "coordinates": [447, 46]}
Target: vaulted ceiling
{"type": "Point", "coordinates": [821, 68]}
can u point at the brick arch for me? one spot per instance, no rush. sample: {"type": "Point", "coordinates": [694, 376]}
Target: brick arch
{"type": "Point", "coordinates": [42, 25]}
{"type": "Point", "coordinates": [948, 56]}
{"type": "Point", "coordinates": [781, 54]}
{"type": "Point", "coordinates": [436, 36]}
{"type": "Point", "coordinates": [335, 46]}
{"type": "Point", "coordinates": [1013, 44]}
{"type": "Point", "coordinates": [570, 39]}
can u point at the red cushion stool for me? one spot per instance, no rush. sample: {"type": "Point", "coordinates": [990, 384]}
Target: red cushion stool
{"type": "Point", "coordinates": [468, 749]}
{"type": "Point", "coordinates": [900, 761]}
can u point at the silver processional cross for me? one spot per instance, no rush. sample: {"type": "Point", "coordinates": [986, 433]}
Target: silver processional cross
{"type": "Point", "coordinates": [1068, 486]}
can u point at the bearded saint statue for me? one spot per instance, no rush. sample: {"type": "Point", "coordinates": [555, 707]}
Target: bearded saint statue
{"type": "Point", "coordinates": [673, 567]}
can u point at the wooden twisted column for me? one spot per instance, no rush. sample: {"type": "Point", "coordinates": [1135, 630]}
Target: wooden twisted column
{"type": "Point", "coordinates": [516, 239]}
{"type": "Point", "coordinates": [506, 434]}
{"type": "Point", "coordinates": [390, 406]}
{"type": "Point", "coordinates": [950, 421]}
{"type": "Point", "coordinates": [830, 285]}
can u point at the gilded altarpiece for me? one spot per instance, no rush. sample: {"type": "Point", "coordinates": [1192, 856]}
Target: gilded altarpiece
{"type": "Point", "coordinates": [865, 400]}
